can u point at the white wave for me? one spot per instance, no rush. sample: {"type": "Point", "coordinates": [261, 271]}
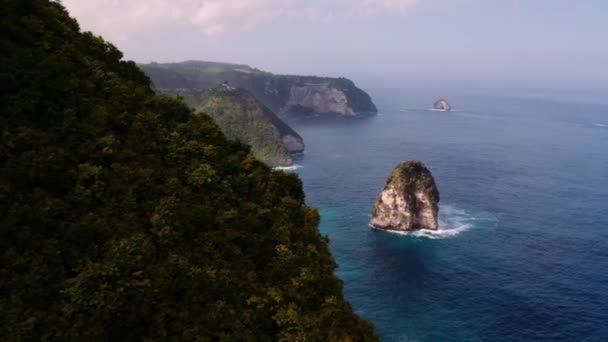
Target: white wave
{"type": "Point", "coordinates": [452, 222]}
{"type": "Point", "coordinates": [430, 234]}
{"type": "Point", "coordinates": [453, 110]}
{"type": "Point", "coordinates": [599, 125]}
{"type": "Point", "coordinates": [288, 168]}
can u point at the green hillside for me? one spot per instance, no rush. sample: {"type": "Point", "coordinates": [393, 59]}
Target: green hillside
{"type": "Point", "coordinates": [242, 117]}
{"type": "Point", "coordinates": [124, 217]}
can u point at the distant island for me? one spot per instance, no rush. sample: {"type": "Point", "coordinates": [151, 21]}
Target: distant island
{"type": "Point", "coordinates": [242, 117]}
{"type": "Point", "coordinates": [409, 199]}
{"type": "Point", "coordinates": [287, 95]}
{"type": "Point", "coordinates": [443, 105]}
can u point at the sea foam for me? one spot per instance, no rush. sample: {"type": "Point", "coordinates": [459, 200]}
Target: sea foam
{"type": "Point", "coordinates": [430, 234]}
{"type": "Point", "coordinates": [288, 168]}
{"type": "Point", "coordinates": [452, 222]}
{"type": "Point", "coordinates": [453, 110]}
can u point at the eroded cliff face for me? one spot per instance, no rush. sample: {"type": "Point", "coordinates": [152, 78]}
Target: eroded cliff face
{"type": "Point", "coordinates": [408, 201]}
{"type": "Point", "coordinates": [318, 98]}
{"type": "Point", "coordinates": [294, 144]}
{"type": "Point", "coordinates": [290, 96]}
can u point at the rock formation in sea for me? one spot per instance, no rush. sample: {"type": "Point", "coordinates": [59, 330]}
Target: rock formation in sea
{"type": "Point", "coordinates": [409, 199]}
{"type": "Point", "coordinates": [442, 104]}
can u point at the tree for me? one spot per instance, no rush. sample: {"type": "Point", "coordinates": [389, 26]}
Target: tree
{"type": "Point", "coordinates": [124, 216]}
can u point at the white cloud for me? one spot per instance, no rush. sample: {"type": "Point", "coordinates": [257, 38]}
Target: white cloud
{"type": "Point", "coordinates": [377, 7]}
{"type": "Point", "coordinates": [217, 16]}
{"type": "Point", "coordinates": [121, 19]}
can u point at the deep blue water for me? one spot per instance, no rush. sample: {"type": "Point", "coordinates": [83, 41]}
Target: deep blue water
{"type": "Point", "coordinates": [523, 250]}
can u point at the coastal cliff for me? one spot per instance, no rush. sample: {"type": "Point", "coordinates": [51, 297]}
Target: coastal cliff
{"type": "Point", "coordinates": [409, 199]}
{"type": "Point", "coordinates": [287, 95]}
{"type": "Point", "coordinates": [317, 97]}
{"type": "Point", "coordinates": [126, 217]}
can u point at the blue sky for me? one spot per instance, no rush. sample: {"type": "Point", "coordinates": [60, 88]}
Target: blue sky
{"type": "Point", "coordinates": [504, 39]}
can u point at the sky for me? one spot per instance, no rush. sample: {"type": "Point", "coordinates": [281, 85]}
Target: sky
{"type": "Point", "coordinates": [495, 39]}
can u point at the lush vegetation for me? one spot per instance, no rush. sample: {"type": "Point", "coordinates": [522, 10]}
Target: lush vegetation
{"type": "Point", "coordinates": [273, 90]}
{"type": "Point", "coordinates": [242, 117]}
{"type": "Point", "coordinates": [413, 174]}
{"type": "Point", "coordinates": [123, 216]}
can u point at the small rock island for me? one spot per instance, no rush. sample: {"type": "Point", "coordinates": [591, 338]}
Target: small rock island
{"type": "Point", "coordinates": [409, 199]}
{"type": "Point", "coordinates": [442, 104]}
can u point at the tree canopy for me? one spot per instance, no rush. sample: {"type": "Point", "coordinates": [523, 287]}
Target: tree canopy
{"type": "Point", "coordinates": [242, 117]}
{"type": "Point", "coordinates": [123, 216]}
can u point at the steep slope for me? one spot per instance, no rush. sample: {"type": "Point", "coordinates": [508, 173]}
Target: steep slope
{"type": "Point", "coordinates": [289, 96]}
{"type": "Point", "coordinates": [242, 117]}
{"type": "Point", "coordinates": [124, 217]}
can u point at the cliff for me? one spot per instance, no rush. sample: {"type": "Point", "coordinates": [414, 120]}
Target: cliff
{"type": "Point", "coordinates": [125, 217]}
{"type": "Point", "coordinates": [286, 95]}
{"type": "Point", "coordinates": [242, 117]}
{"type": "Point", "coordinates": [409, 199]}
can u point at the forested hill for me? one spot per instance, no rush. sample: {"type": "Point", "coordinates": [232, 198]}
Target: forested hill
{"type": "Point", "coordinates": [123, 216]}
{"type": "Point", "coordinates": [242, 117]}
{"type": "Point", "coordinates": [287, 95]}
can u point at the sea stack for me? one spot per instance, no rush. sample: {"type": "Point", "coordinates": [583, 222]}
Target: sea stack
{"type": "Point", "coordinates": [409, 199]}
{"type": "Point", "coordinates": [442, 104]}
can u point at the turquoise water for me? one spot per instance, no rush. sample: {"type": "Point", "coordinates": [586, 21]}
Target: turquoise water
{"type": "Point", "coordinates": [522, 254]}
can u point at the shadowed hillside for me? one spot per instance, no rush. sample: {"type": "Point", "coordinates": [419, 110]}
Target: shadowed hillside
{"type": "Point", "coordinates": [123, 216]}
{"type": "Point", "coordinates": [242, 117]}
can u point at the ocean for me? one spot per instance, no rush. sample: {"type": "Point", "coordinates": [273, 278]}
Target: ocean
{"type": "Point", "coordinates": [522, 253]}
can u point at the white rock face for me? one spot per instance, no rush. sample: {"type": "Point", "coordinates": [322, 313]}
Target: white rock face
{"type": "Point", "coordinates": [442, 105]}
{"type": "Point", "coordinates": [321, 98]}
{"type": "Point", "coordinates": [408, 201]}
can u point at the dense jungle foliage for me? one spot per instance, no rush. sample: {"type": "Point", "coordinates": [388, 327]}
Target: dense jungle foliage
{"type": "Point", "coordinates": [123, 216]}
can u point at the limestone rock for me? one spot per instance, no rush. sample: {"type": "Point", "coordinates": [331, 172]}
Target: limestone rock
{"type": "Point", "coordinates": [409, 199]}
{"type": "Point", "coordinates": [442, 104]}
{"type": "Point", "coordinates": [319, 98]}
